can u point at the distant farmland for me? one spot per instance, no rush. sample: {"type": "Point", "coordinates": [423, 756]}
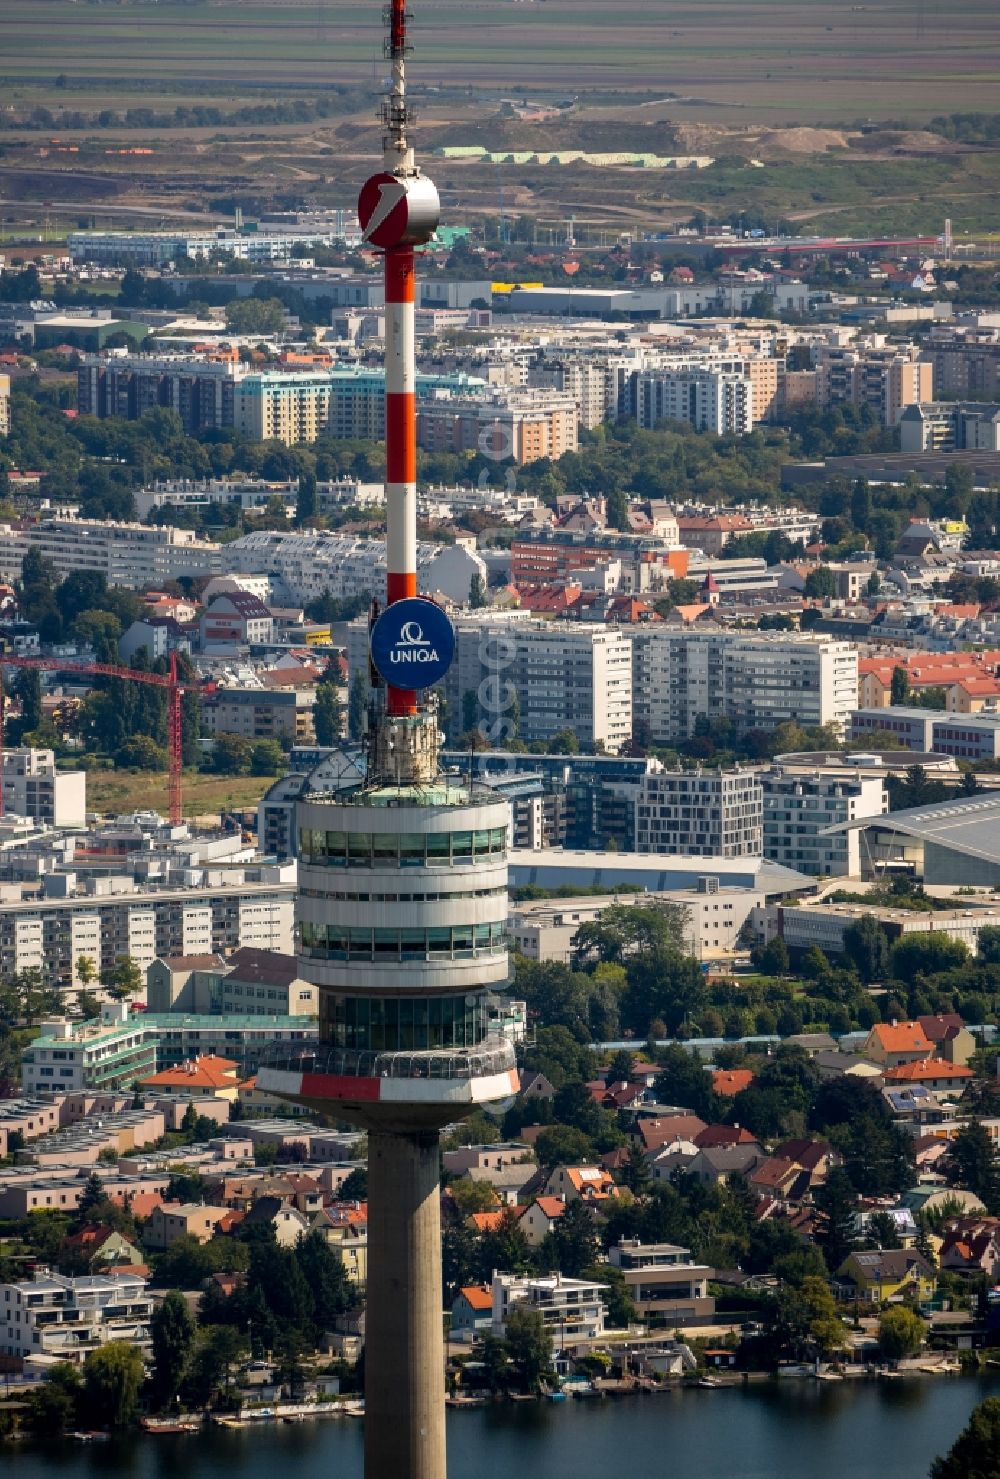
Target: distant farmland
{"type": "Point", "coordinates": [784, 61]}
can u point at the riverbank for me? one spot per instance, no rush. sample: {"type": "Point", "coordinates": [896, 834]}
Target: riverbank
{"type": "Point", "coordinates": [774, 1429]}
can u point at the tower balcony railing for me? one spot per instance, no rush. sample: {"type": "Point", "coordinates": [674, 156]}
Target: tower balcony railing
{"type": "Point", "coordinates": [494, 1055]}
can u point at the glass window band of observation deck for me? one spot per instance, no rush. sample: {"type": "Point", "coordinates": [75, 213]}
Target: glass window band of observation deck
{"type": "Point", "coordinates": [446, 942]}
{"type": "Point", "coordinates": [393, 1024]}
{"type": "Point", "coordinates": [336, 849]}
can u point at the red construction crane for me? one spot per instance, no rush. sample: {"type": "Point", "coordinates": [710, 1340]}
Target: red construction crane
{"type": "Point", "coordinates": [109, 670]}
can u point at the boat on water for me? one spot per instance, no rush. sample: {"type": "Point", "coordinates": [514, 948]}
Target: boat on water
{"type": "Point", "coordinates": [829, 1376]}
{"type": "Point", "coordinates": [94, 1437]}
{"type": "Point", "coordinates": [152, 1425]}
{"type": "Point", "coordinates": [556, 1396]}
{"type": "Point", "coordinates": [708, 1381]}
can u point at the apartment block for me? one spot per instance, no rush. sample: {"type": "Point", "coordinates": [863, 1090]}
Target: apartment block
{"type": "Point", "coordinates": [800, 805]}
{"type": "Point", "coordinates": [950, 426]}
{"type": "Point", "coordinates": [546, 929]}
{"type": "Point", "coordinates": [33, 787]}
{"type": "Point", "coordinates": [51, 933]}
{"type": "Point", "coordinates": [521, 426]}
{"type": "Point", "coordinates": [533, 679]}
{"type": "Point", "coordinates": [116, 1051]}
{"type": "Point", "coordinates": [66, 1318]}
{"type": "Point", "coordinates": [571, 1309]}
{"type": "Point", "coordinates": [138, 556]}
{"type": "Point", "coordinates": [663, 1280]}
{"type": "Point", "coordinates": [262, 713]}
{"type": "Point", "coordinates": [965, 736]}
{"type": "Point", "coordinates": [710, 400]}
{"type": "Point", "coordinates": [757, 680]}
{"type": "Point", "coordinates": [285, 405]}
{"type": "Point", "coordinates": [700, 813]}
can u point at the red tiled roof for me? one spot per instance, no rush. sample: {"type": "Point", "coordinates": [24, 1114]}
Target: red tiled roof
{"type": "Point", "coordinates": [478, 1298]}
{"type": "Point", "coordinates": [730, 1081]}
{"type": "Point", "coordinates": [927, 1068]}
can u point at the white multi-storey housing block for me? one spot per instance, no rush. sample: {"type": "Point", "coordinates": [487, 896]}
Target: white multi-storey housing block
{"type": "Point", "coordinates": [801, 804]}
{"type": "Point", "coordinates": [67, 1318]}
{"type": "Point", "coordinates": [757, 680]}
{"type": "Point", "coordinates": [700, 813]}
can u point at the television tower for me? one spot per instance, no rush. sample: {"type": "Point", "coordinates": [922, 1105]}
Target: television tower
{"type": "Point", "coordinates": [402, 901]}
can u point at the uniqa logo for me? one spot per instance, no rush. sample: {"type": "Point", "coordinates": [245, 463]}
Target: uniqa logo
{"type": "Point", "coordinates": [412, 645]}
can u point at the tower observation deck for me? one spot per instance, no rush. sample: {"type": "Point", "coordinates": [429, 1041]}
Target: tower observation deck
{"type": "Point", "coordinates": [402, 900]}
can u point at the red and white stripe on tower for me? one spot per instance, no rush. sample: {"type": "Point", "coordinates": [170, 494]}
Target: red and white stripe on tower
{"type": "Point", "coordinates": [399, 210]}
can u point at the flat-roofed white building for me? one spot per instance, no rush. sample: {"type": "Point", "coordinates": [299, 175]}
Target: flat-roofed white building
{"type": "Point", "coordinates": [572, 1309]}
{"type": "Point", "coordinates": [33, 787]}
{"type": "Point", "coordinates": [546, 929]}
{"type": "Point", "coordinates": [704, 813]}
{"type": "Point", "coordinates": [756, 680]}
{"type": "Point", "coordinates": [67, 1318]}
{"type": "Point", "coordinates": [801, 805]}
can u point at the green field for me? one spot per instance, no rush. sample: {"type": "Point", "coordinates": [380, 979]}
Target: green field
{"type": "Point", "coordinates": [783, 60]}
{"type": "Point", "coordinates": [733, 79]}
{"type": "Point", "coordinates": [204, 795]}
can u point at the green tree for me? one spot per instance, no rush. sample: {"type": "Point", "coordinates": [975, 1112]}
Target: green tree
{"type": "Point", "coordinates": [306, 502]}
{"type": "Point", "coordinates": [899, 691]}
{"type": "Point", "coordinates": [124, 979]}
{"type": "Point", "coordinates": [86, 970]}
{"type": "Point", "coordinates": [232, 754]}
{"type": "Point", "coordinates": [683, 1080]}
{"type": "Point", "coordinates": [28, 692]}
{"type": "Point", "coordinates": [976, 1165]}
{"type": "Point", "coordinates": [820, 583]}
{"type": "Point", "coordinates": [172, 1330]}
{"type": "Point", "coordinates": [975, 1454]}
{"type": "Point", "coordinates": [255, 315]}
{"type": "Point", "coordinates": [621, 1067]}
{"type": "Point", "coordinates": [357, 703]}
{"type": "Point", "coordinates": [267, 758]}
{"type": "Point", "coordinates": [900, 1333]}
{"type": "Point", "coordinates": [89, 1006]}
{"type": "Point", "coordinates": [989, 945]}
{"type": "Point", "coordinates": [54, 1405]}
{"type": "Point", "coordinates": [564, 742]}
{"type": "Point", "coordinates": [529, 1348]}
{"type": "Point", "coordinates": [112, 1376]}
{"type": "Point", "coordinates": [629, 929]}
{"type": "Point", "coordinates": [478, 597]}
{"type": "Point", "coordinates": [866, 946]}
{"type": "Point", "coordinates": [837, 1200]}
{"type": "Point", "coordinates": [561, 1145]}
{"type": "Point", "coordinates": [139, 752]}
{"type": "Point", "coordinates": [926, 955]}
{"type": "Point", "coordinates": [327, 714]}
{"type": "Point", "coordinates": [571, 1246]}
{"type": "Point", "coordinates": [771, 959]}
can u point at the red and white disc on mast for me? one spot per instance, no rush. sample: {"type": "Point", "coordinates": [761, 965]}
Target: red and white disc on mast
{"type": "Point", "coordinates": [398, 210]}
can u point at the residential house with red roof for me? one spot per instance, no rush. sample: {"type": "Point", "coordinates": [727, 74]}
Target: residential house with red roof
{"type": "Point", "coordinates": [892, 1043]}
{"type": "Point", "coordinates": [471, 1312]}
{"type": "Point", "coordinates": [933, 1073]}
{"type": "Point", "coordinates": [971, 1245]}
{"type": "Point", "coordinates": [538, 1219]}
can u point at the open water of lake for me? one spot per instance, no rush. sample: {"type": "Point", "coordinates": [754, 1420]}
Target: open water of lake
{"type": "Point", "coordinates": [781, 1430]}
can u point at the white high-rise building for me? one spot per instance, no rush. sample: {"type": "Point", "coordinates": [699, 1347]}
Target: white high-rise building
{"type": "Point", "coordinates": [801, 804]}
{"type": "Point", "coordinates": [700, 813]}
{"type": "Point", "coordinates": [531, 679]}
{"type": "Point", "coordinates": [716, 400]}
{"type": "Point", "coordinates": [757, 680]}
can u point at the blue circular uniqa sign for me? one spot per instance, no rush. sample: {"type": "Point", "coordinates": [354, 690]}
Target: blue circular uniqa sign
{"type": "Point", "coordinates": [413, 643]}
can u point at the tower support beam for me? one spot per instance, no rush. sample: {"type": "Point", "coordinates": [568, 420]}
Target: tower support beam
{"type": "Point", "coordinates": [404, 1337]}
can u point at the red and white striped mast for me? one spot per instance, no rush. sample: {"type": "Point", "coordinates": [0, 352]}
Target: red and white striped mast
{"type": "Point", "coordinates": [399, 210]}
